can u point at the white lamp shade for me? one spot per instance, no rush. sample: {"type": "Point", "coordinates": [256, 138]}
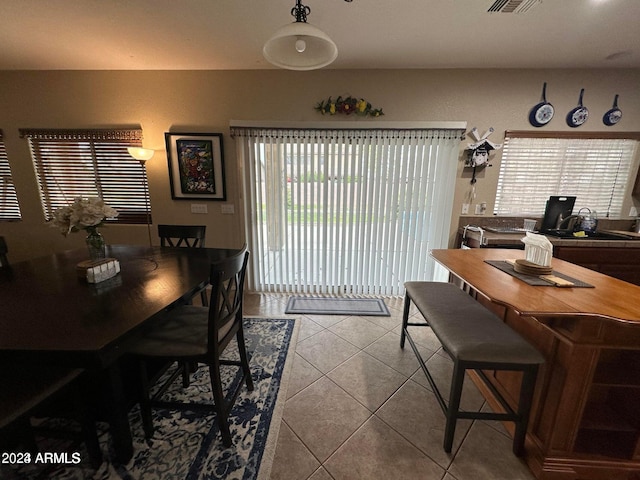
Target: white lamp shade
{"type": "Point", "coordinates": [319, 50]}
{"type": "Point", "coordinates": [139, 153]}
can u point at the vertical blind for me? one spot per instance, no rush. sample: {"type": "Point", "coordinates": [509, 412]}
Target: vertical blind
{"type": "Point", "coordinates": [345, 211]}
{"type": "Point", "coordinates": [90, 163]}
{"type": "Point", "coordinates": [9, 207]}
{"type": "Point", "coordinates": [595, 170]}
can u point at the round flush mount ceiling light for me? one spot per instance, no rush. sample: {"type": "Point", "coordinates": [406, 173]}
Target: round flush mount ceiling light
{"type": "Point", "coordinates": [300, 45]}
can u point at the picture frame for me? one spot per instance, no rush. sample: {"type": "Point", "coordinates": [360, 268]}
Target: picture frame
{"type": "Point", "coordinates": [196, 166]}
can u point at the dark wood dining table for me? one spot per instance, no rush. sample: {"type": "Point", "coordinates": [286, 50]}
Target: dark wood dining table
{"type": "Point", "coordinates": [51, 315]}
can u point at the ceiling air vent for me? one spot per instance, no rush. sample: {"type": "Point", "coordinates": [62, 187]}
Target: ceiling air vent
{"type": "Point", "coordinates": [513, 6]}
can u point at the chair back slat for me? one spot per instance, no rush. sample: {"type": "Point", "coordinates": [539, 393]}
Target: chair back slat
{"type": "Point", "coordinates": [190, 236]}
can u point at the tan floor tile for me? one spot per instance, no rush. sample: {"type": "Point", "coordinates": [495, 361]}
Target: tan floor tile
{"type": "Point", "coordinates": [496, 425]}
{"type": "Point", "coordinates": [271, 310]}
{"type": "Point", "coordinates": [308, 328]}
{"type": "Point", "coordinates": [292, 461]}
{"type": "Point", "coordinates": [303, 374]}
{"type": "Point", "coordinates": [255, 300]}
{"type": "Point", "coordinates": [413, 310]}
{"type": "Point", "coordinates": [358, 331]}
{"type": "Point", "coordinates": [320, 417]}
{"type": "Point", "coordinates": [486, 455]}
{"type": "Point", "coordinates": [264, 304]}
{"type": "Point", "coordinates": [367, 379]}
{"type": "Point", "coordinates": [387, 350]}
{"type": "Point", "coordinates": [324, 416]}
{"type": "Point", "coordinates": [320, 474]}
{"type": "Point", "coordinates": [388, 323]}
{"type": "Point", "coordinates": [415, 413]}
{"type": "Point", "coordinates": [395, 303]}
{"type": "Point", "coordinates": [441, 369]}
{"type": "Point", "coordinates": [422, 336]}
{"type": "Point", "coordinates": [325, 350]}
{"type": "Point", "coordinates": [375, 451]}
{"type": "Point", "coordinates": [326, 320]}
{"type": "Point", "coordinates": [258, 304]}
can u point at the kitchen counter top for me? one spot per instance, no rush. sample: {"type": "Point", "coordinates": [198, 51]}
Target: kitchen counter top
{"type": "Point", "coordinates": [505, 239]}
{"type": "Point", "coordinates": [616, 258]}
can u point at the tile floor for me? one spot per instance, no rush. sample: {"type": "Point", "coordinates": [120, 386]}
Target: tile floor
{"type": "Point", "coordinates": [359, 407]}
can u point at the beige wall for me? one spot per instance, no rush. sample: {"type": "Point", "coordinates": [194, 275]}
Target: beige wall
{"type": "Point", "coordinates": [205, 101]}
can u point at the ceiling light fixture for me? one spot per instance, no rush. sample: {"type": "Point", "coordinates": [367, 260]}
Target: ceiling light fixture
{"type": "Point", "coordinates": [300, 45]}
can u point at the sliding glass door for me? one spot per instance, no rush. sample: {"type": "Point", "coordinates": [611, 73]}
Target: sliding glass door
{"type": "Point", "coordinates": [345, 211]}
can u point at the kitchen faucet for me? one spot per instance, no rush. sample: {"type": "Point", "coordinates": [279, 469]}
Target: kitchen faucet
{"type": "Point", "coordinates": [571, 219]}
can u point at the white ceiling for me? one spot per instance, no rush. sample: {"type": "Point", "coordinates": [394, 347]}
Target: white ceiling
{"type": "Point", "coordinates": [229, 34]}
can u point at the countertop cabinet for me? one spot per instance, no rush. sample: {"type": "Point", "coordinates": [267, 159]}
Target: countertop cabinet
{"type": "Point", "coordinates": [622, 263]}
{"type": "Point", "coordinates": [585, 421]}
{"type": "Point", "coordinates": [618, 259]}
{"type": "Point", "coordinates": [610, 423]}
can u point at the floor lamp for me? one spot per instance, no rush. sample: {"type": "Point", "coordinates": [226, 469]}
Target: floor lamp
{"type": "Point", "coordinates": [142, 155]}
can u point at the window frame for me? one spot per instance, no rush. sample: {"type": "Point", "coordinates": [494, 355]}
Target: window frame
{"type": "Point", "coordinates": [87, 163]}
{"type": "Point", "coordinates": [9, 205]}
{"type": "Point", "coordinates": [380, 192]}
{"type": "Point", "coordinates": [619, 188]}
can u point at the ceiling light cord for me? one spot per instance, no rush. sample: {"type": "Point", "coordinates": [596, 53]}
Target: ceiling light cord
{"type": "Point", "coordinates": [300, 12]}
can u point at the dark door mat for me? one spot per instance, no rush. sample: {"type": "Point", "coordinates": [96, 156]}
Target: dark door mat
{"type": "Point", "coordinates": [337, 306]}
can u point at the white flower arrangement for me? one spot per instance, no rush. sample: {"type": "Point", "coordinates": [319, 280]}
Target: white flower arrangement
{"type": "Point", "coordinates": [83, 214]}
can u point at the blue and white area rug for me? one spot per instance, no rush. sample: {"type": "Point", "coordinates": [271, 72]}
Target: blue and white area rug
{"type": "Point", "coordinates": [187, 445]}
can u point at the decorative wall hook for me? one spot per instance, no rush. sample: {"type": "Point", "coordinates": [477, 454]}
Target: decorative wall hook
{"type": "Point", "coordinates": [478, 152]}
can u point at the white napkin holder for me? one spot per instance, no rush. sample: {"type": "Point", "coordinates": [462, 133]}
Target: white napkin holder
{"type": "Point", "coordinates": [537, 249]}
{"type": "Point", "coordinates": [96, 271]}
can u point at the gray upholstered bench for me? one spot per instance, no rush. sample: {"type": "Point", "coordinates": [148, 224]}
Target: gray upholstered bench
{"type": "Point", "coordinates": [475, 339]}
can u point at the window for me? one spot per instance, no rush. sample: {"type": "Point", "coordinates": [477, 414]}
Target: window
{"type": "Point", "coordinates": [595, 167]}
{"type": "Point", "coordinates": [9, 208]}
{"type": "Point", "coordinates": [90, 163]}
{"type": "Point", "coordinates": [346, 211]}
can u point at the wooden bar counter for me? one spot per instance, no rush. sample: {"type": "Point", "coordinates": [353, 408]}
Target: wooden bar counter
{"type": "Point", "coordinates": [585, 424]}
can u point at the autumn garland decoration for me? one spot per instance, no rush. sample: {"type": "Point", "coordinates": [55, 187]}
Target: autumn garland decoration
{"type": "Point", "coordinates": [348, 106]}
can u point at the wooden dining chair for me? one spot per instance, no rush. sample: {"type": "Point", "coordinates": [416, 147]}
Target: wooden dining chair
{"type": "Point", "coordinates": [28, 390]}
{"type": "Point", "coordinates": [189, 236]}
{"type": "Point", "coordinates": [192, 333]}
{"type": "Point", "coordinates": [192, 236]}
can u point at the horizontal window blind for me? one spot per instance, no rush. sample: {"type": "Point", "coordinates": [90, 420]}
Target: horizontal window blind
{"type": "Point", "coordinates": [595, 170]}
{"type": "Point", "coordinates": [9, 207]}
{"type": "Point", "coordinates": [90, 163]}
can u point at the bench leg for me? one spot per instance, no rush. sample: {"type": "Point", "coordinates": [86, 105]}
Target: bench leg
{"type": "Point", "coordinates": [524, 409]}
{"type": "Point", "coordinates": [405, 318]}
{"type": "Point", "coordinates": [454, 405]}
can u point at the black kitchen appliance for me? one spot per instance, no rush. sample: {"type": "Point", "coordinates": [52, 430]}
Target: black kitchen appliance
{"type": "Point", "coordinates": [558, 208]}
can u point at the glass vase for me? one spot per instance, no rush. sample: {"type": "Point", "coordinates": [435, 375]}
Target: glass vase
{"type": "Point", "coordinates": [96, 245]}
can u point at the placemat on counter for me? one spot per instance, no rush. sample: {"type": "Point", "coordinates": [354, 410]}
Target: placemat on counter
{"type": "Point", "coordinates": [532, 279]}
